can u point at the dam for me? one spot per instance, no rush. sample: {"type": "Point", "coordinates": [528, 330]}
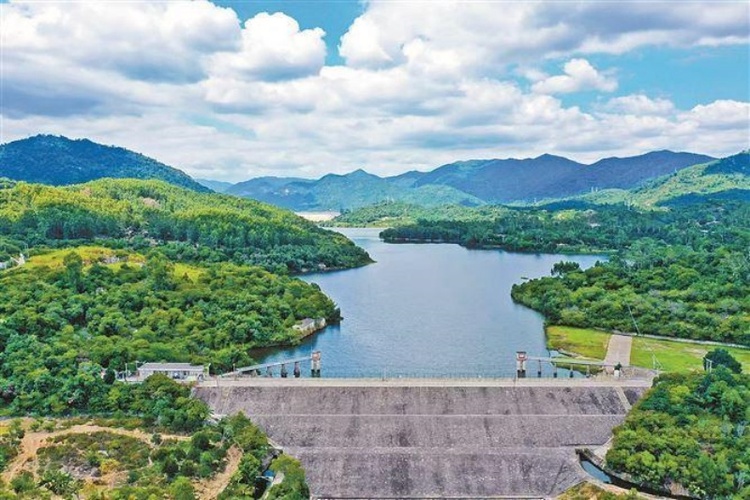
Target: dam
{"type": "Point", "coordinates": [427, 438]}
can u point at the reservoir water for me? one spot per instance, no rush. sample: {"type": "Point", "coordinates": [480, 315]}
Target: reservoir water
{"type": "Point", "coordinates": [427, 310]}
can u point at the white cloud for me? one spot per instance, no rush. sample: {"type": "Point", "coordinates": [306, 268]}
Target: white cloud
{"type": "Point", "coordinates": [579, 75]}
{"type": "Point", "coordinates": [155, 41]}
{"type": "Point", "coordinates": [487, 36]}
{"type": "Point", "coordinates": [188, 83]}
{"type": "Point", "coordinates": [639, 104]}
{"type": "Point", "coordinates": [361, 45]}
{"type": "Point", "coordinates": [273, 48]}
{"type": "Point", "coordinates": [722, 115]}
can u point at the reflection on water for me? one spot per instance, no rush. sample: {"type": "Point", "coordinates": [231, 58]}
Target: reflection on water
{"type": "Point", "coordinates": [428, 310]}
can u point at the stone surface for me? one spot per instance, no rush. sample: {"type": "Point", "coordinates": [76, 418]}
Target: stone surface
{"type": "Point", "coordinates": [371, 440]}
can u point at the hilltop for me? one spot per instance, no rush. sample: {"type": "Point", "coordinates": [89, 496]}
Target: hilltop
{"type": "Point", "coordinates": [59, 161]}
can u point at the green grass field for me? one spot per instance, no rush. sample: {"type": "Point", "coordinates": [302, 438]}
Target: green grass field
{"type": "Point", "coordinates": [673, 356]}
{"type": "Point", "coordinates": [582, 341]}
{"type": "Point", "coordinates": [89, 254]}
{"type": "Point", "coordinates": [679, 356]}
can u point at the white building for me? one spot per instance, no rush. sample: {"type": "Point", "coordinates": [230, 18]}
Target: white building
{"type": "Point", "coordinates": [177, 371]}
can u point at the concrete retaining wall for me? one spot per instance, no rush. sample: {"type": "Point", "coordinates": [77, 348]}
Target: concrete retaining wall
{"type": "Point", "coordinates": [426, 442]}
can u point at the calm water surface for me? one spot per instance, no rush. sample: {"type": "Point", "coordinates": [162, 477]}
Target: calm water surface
{"type": "Point", "coordinates": [427, 310]}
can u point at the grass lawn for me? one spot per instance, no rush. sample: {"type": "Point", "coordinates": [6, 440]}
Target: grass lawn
{"type": "Point", "coordinates": [192, 272]}
{"type": "Point", "coordinates": [673, 356]}
{"type": "Point", "coordinates": [89, 254]}
{"type": "Point", "coordinates": [679, 356]}
{"type": "Point", "coordinates": [583, 341]}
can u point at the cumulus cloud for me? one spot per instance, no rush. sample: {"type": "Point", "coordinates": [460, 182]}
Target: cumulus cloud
{"type": "Point", "coordinates": [489, 35]}
{"type": "Point", "coordinates": [579, 75]}
{"type": "Point", "coordinates": [273, 48]}
{"type": "Point", "coordinates": [639, 104]}
{"type": "Point", "coordinates": [157, 41]}
{"type": "Point", "coordinates": [193, 85]}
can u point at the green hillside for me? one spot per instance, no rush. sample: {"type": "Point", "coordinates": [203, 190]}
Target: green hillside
{"type": "Point", "coordinates": [58, 161]}
{"type": "Point", "coordinates": [114, 306]}
{"type": "Point", "coordinates": [350, 191]}
{"type": "Point", "coordinates": [187, 226]}
{"type": "Point", "coordinates": [727, 178]}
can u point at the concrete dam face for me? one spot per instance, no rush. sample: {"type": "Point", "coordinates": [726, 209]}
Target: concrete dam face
{"type": "Point", "coordinates": [447, 439]}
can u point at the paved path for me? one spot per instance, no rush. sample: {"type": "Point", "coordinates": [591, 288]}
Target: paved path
{"type": "Point", "coordinates": [618, 350]}
{"type": "Point", "coordinates": [426, 382]}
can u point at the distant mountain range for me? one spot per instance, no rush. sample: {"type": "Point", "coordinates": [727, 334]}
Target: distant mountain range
{"type": "Point", "coordinates": [473, 182]}
{"type": "Point", "coordinates": [48, 159]}
{"type": "Point", "coordinates": [727, 179]}
{"type": "Point", "coordinates": [57, 160]}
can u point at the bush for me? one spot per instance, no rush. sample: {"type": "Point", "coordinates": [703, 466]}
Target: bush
{"type": "Point", "coordinates": [182, 489]}
{"type": "Point", "coordinates": [721, 357]}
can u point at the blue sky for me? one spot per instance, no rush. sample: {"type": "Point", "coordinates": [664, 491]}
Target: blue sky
{"type": "Point", "coordinates": [236, 89]}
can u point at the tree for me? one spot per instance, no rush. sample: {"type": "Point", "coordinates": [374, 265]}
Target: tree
{"type": "Point", "coordinates": [721, 357]}
{"type": "Point", "coordinates": [61, 483]}
{"type": "Point", "coordinates": [565, 267]}
{"type": "Point", "coordinates": [182, 489]}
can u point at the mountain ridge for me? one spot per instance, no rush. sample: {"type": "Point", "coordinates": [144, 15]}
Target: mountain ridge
{"type": "Point", "coordinates": [60, 161]}
{"type": "Point", "coordinates": [468, 182]}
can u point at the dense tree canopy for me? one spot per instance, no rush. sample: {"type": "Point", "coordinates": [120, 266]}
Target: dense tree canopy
{"type": "Point", "coordinates": [192, 226]}
{"type": "Point", "coordinates": [69, 322]}
{"type": "Point", "coordinates": [691, 429]}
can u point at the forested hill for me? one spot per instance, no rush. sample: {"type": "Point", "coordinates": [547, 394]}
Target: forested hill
{"type": "Point", "coordinates": [471, 183]}
{"type": "Point", "coordinates": [343, 192]}
{"type": "Point", "coordinates": [724, 179]}
{"type": "Point", "coordinates": [48, 159]}
{"type": "Point", "coordinates": [188, 226]}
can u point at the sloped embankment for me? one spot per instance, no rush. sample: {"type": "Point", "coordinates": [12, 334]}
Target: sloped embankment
{"type": "Point", "coordinates": [461, 441]}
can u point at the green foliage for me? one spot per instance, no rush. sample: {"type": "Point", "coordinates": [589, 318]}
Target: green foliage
{"type": "Point", "coordinates": [391, 214]}
{"type": "Point", "coordinates": [60, 483]}
{"type": "Point", "coordinates": [47, 159]}
{"type": "Point", "coordinates": [721, 357]}
{"type": "Point", "coordinates": [239, 431]}
{"type": "Point", "coordinates": [294, 486]}
{"type": "Point", "coordinates": [23, 482]}
{"type": "Point", "coordinates": [68, 323]}
{"type": "Point", "coordinates": [182, 489]}
{"type": "Point", "coordinates": [87, 451]}
{"type": "Point", "coordinates": [188, 226]}
{"type": "Point", "coordinates": [692, 430]}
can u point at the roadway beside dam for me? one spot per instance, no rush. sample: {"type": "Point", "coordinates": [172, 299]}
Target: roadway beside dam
{"type": "Point", "coordinates": [363, 438]}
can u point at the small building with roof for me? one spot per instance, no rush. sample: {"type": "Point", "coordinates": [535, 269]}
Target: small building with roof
{"type": "Point", "coordinates": [177, 371]}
